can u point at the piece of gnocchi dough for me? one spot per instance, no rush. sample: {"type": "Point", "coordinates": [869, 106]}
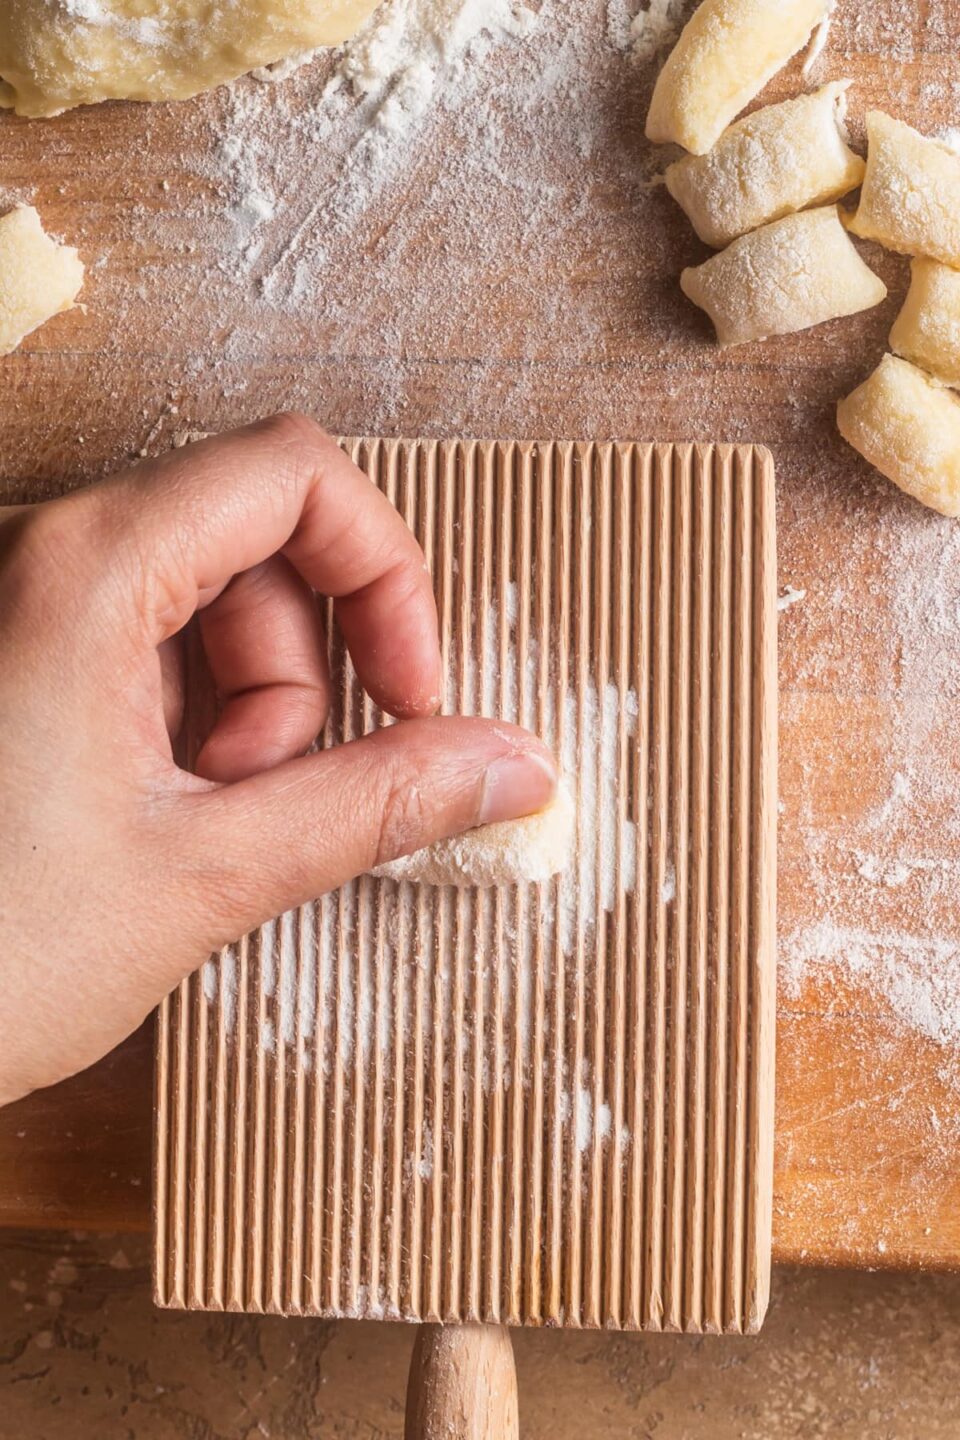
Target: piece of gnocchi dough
{"type": "Point", "coordinates": [927, 330]}
{"type": "Point", "coordinates": [786, 276]}
{"type": "Point", "coordinates": [38, 277]}
{"type": "Point", "coordinates": [908, 426]}
{"type": "Point", "coordinates": [726, 53]}
{"type": "Point", "coordinates": [54, 55]}
{"type": "Point", "coordinates": [910, 199]}
{"type": "Point", "coordinates": [772, 163]}
{"type": "Point", "coordinates": [510, 852]}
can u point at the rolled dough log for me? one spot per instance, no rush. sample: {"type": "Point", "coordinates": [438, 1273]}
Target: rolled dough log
{"type": "Point", "coordinates": [38, 277]}
{"type": "Point", "coordinates": [726, 53]}
{"type": "Point", "coordinates": [927, 330]}
{"type": "Point", "coordinates": [511, 852]}
{"type": "Point", "coordinates": [778, 160]}
{"type": "Point", "coordinates": [786, 276]}
{"type": "Point", "coordinates": [909, 427]}
{"type": "Point", "coordinates": [55, 54]}
{"type": "Point", "coordinates": [910, 199]}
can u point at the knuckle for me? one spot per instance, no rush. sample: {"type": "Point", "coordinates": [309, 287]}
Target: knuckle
{"type": "Point", "coordinates": [402, 817]}
{"type": "Point", "coordinates": [292, 428]}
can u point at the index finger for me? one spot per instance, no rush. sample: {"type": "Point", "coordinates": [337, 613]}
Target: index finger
{"type": "Point", "coordinates": [195, 518]}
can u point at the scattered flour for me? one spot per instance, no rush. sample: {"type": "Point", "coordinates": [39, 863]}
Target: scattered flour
{"type": "Point", "coordinates": [919, 978]}
{"type": "Point", "coordinates": [646, 29]}
{"type": "Point", "coordinates": [790, 597]}
{"type": "Point", "coordinates": [885, 881]}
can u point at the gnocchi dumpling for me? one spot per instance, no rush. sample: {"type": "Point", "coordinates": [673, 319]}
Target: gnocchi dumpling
{"type": "Point", "coordinates": [908, 426]}
{"type": "Point", "coordinates": [786, 276]}
{"type": "Point", "coordinates": [772, 163]}
{"type": "Point", "coordinates": [910, 199]}
{"type": "Point", "coordinates": [508, 852]}
{"type": "Point", "coordinates": [726, 53]}
{"type": "Point", "coordinates": [38, 277]}
{"type": "Point", "coordinates": [927, 330]}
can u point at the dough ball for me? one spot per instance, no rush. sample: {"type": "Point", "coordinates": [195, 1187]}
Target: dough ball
{"type": "Point", "coordinates": [910, 199]}
{"type": "Point", "coordinates": [778, 160]}
{"type": "Point", "coordinates": [787, 276]}
{"type": "Point", "coordinates": [510, 852]}
{"type": "Point", "coordinates": [726, 53]}
{"type": "Point", "coordinates": [55, 55]}
{"type": "Point", "coordinates": [38, 277]}
{"type": "Point", "coordinates": [927, 330]}
{"type": "Point", "coordinates": [908, 426]}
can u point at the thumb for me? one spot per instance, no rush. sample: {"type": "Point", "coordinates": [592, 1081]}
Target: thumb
{"type": "Point", "coordinates": [287, 835]}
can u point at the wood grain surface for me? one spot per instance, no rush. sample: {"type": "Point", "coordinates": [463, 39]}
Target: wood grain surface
{"type": "Point", "coordinates": [548, 1105]}
{"type": "Point", "coordinates": [460, 302]}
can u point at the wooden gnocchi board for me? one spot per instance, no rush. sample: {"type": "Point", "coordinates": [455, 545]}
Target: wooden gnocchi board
{"type": "Point", "coordinates": [518, 277]}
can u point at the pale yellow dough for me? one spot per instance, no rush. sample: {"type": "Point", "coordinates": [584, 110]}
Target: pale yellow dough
{"type": "Point", "coordinates": [772, 163]}
{"type": "Point", "coordinates": [911, 192]}
{"type": "Point", "coordinates": [55, 54]}
{"type": "Point", "coordinates": [511, 852]}
{"type": "Point", "coordinates": [908, 426]}
{"type": "Point", "coordinates": [787, 276]}
{"type": "Point", "coordinates": [38, 277]}
{"type": "Point", "coordinates": [927, 330]}
{"type": "Point", "coordinates": [726, 53]}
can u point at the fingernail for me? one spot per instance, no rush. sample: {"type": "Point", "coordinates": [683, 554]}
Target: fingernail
{"type": "Point", "coordinates": [516, 785]}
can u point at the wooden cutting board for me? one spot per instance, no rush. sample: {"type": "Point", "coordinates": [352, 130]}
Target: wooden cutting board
{"type": "Point", "coordinates": [461, 301]}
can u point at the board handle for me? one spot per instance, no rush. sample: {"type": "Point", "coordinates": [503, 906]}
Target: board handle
{"type": "Point", "coordinates": [462, 1385]}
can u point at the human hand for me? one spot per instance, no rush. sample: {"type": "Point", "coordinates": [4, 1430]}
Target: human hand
{"type": "Point", "coordinates": [120, 872]}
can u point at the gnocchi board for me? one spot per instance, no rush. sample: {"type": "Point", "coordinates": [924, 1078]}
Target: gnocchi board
{"type": "Point", "coordinates": [547, 1104]}
{"type": "Point", "coordinates": [518, 277]}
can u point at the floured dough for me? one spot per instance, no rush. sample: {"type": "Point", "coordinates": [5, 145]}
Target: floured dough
{"type": "Point", "coordinates": [909, 427]}
{"type": "Point", "coordinates": [38, 277]}
{"type": "Point", "coordinates": [778, 160]}
{"type": "Point", "coordinates": [787, 276]}
{"type": "Point", "coordinates": [510, 852]}
{"type": "Point", "coordinates": [927, 330]}
{"type": "Point", "coordinates": [910, 199]}
{"type": "Point", "coordinates": [726, 53]}
{"type": "Point", "coordinates": [55, 54]}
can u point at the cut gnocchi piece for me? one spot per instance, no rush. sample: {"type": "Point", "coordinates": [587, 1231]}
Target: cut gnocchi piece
{"type": "Point", "coordinates": [772, 163]}
{"type": "Point", "coordinates": [910, 199]}
{"type": "Point", "coordinates": [38, 277]}
{"type": "Point", "coordinates": [726, 53]}
{"type": "Point", "coordinates": [787, 276]}
{"type": "Point", "coordinates": [927, 330]}
{"type": "Point", "coordinates": [908, 426]}
{"type": "Point", "coordinates": [509, 852]}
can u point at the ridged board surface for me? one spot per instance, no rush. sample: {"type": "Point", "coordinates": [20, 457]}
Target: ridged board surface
{"type": "Point", "coordinates": [545, 1105]}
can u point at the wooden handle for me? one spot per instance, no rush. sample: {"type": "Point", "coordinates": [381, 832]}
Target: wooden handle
{"type": "Point", "coordinates": [462, 1385]}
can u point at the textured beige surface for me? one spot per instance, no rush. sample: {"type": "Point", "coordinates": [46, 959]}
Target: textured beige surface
{"type": "Point", "coordinates": [38, 277]}
{"type": "Point", "coordinates": [727, 52]}
{"type": "Point", "coordinates": [511, 852]}
{"type": "Point", "coordinates": [909, 427]}
{"type": "Point", "coordinates": [84, 1356]}
{"type": "Point", "coordinates": [790, 275]}
{"type": "Point", "coordinates": [927, 330]}
{"type": "Point", "coordinates": [775, 161]}
{"type": "Point", "coordinates": [911, 192]}
{"type": "Point", "coordinates": [53, 57]}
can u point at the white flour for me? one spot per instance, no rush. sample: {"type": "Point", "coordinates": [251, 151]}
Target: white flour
{"type": "Point", "coordinates": [645, 28]}
{"type": "Point", "coordinates": [143, 30]}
